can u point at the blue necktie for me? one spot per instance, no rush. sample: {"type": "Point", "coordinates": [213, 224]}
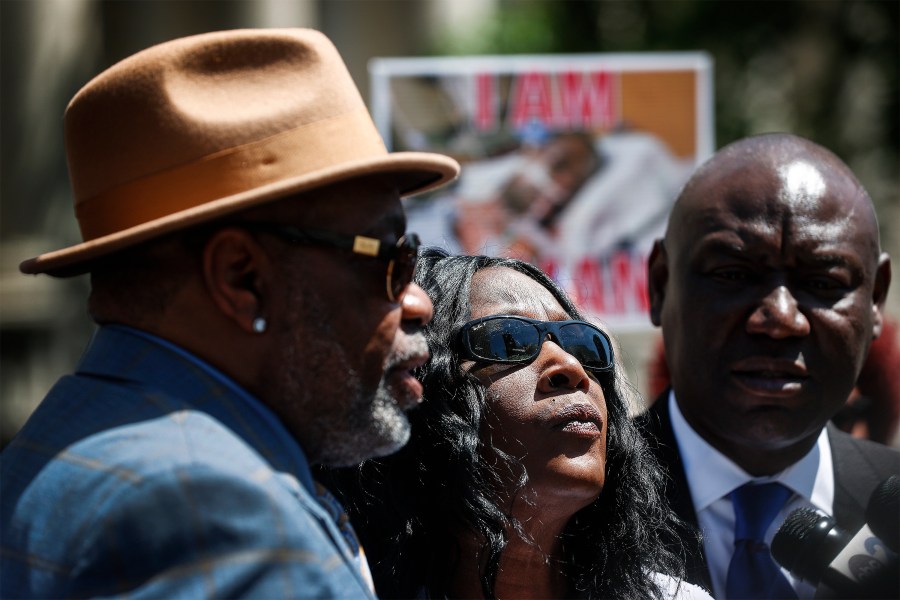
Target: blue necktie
{"type": "Point", "coordinates": [752, 573]}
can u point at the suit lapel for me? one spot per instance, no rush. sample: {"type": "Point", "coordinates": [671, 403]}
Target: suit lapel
{"type": "Point", "coordinates": [849, 467]}
{"type": "Point", "coordinates": [859, 467]}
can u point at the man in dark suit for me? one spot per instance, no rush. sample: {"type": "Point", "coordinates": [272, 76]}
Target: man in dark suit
{"type": "Point", "coordinates": [769, 287]}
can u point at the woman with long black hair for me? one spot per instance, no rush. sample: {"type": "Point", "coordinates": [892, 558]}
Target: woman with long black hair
{"type": "Point", "coordinates": [524, 476]}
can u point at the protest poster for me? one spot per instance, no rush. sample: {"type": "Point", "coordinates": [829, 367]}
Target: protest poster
{"type": "Point", "coordinates": [570, 162]}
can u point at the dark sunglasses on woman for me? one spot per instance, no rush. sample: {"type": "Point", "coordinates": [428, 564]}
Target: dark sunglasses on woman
{"type": "Point", "coordinates": [514, 339]}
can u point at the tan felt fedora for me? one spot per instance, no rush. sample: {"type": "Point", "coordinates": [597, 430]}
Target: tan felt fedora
{"type": "Point", "coordinates": [200, 127]}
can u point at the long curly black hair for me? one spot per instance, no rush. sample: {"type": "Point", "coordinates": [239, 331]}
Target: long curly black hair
{"type": "Point", "coordinates": [408, 508]}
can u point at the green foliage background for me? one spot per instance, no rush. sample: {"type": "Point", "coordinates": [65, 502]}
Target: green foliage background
{"type": "Point", "coordinates": [825, 69]}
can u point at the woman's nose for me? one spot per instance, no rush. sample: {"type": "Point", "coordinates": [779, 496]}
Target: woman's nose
{"type": "Point", "coordinates": [559, 369]}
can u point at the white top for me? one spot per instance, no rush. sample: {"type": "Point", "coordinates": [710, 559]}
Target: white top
{"type": "Point", "coordinates": [674, 589]}
{"type": "Point", "coordinates": [711, 476]}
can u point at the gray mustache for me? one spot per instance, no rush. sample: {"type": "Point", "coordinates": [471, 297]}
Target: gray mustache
{"type": "Point", "coordinates": [413, 347]}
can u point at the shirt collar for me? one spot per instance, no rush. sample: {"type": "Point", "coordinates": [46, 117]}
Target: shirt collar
{"type": "Point", "coordinates": [712, 475]}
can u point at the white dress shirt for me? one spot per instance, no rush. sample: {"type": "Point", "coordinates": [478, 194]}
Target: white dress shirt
{"type": "Point", "coordinates": [711, 476]}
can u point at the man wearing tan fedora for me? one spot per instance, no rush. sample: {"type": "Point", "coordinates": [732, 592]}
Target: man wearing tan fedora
{"type": "Point", "coordinates": [251, 279]}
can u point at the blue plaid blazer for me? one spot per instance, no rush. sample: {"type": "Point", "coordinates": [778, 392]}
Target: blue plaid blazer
{"type": "Point", "coordinates": [147, 474]}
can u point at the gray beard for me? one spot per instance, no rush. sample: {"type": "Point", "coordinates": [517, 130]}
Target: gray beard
{"type": "Point", "coordinates": [323, 402]}
{"type": "Point", "coordinates": [380, 430]}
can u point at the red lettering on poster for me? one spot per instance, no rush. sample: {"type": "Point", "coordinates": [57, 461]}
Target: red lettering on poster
{"type": "Point", "coordinates": [548, 266]}
{"type": "Point", "coordinates": [589, 285]}
{"type": "Point", "coordinates": [586, 100]}
{"type": "Point", "coordinates": [628, 273]}
{"type": "Point", "coordinates": [568, 100]}
{"type": "Point", "coordinates": [613, 287]}
{"type": "Point", "coordinates": [531, 100]}
{"type": "Point", "coordinates": [485, 102]}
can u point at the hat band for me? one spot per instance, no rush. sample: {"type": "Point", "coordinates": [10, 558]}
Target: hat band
{"type": "Point", "coordinates": [301, 151]}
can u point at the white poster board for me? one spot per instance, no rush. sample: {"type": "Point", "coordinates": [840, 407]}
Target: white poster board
{"type": "Point", "coordinates": [570, 162]}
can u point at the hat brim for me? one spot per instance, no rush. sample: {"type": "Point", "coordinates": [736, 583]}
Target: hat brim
{"type": "Point", "coordinates": [414, 172]}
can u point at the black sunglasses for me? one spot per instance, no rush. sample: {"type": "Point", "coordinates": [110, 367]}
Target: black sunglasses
{"type": "Point", "coordinates": [514, 339]}
{"type": "Point", "coordinates": [401, 257]}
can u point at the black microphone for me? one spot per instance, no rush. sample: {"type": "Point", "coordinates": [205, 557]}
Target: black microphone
{"type": "Point", "coordinates": [814, 549]}
{"type": "Point", "coordinates": [883, 512]}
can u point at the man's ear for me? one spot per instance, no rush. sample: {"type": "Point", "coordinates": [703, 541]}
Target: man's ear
{"type": "Point", "coordinates": [657, 278]}
{"type": "Point", "coordinates": [879, 292]}
{"type": "Point", "coordinates": [234, 271]}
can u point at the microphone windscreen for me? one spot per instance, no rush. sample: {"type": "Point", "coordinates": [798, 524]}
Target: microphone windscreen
{"type": "Point", "coordinates": [806, 542]}
{"type": "Point", "coordinates": [883, 512]}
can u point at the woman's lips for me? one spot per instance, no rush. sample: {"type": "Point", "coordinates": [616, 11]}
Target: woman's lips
{"type": "Point", "coordinates": [579, 419]}
{"type": "Point", "coordinates": [582, 428]}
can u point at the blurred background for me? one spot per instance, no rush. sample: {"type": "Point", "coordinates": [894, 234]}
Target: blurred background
{"type": "Point", "coordinates": [824, 69]}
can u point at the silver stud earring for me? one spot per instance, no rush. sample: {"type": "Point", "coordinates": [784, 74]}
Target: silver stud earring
{"type": "Point", "coordinates": [259, 325]}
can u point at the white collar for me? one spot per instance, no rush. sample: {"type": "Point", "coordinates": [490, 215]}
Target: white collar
{"type": "Point", "coordinates": [711, 475]}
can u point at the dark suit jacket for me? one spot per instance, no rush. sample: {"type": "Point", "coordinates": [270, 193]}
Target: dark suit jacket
{"type": "Point", "coordinates": [859, 466]}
